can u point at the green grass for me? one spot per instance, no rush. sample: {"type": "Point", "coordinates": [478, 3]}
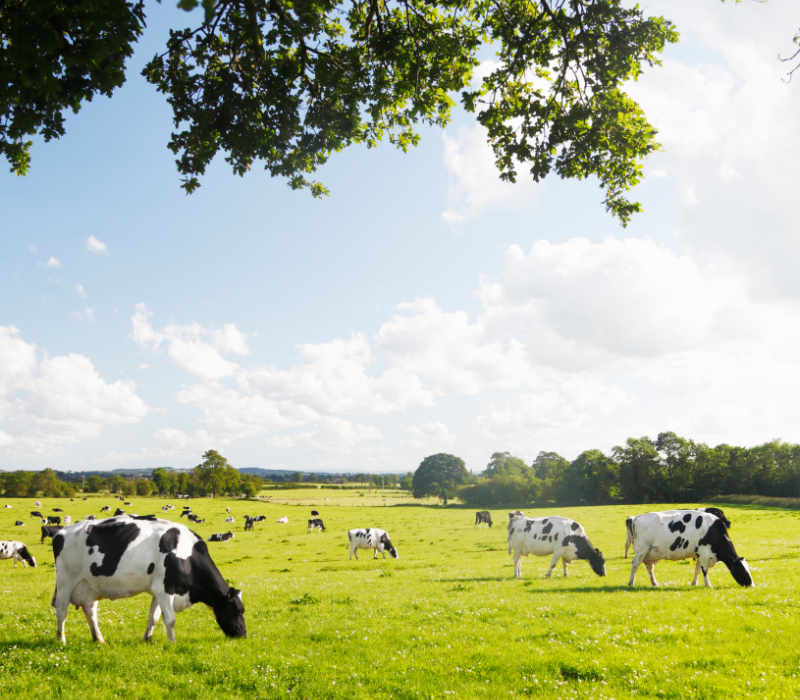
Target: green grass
{"type": "Point", "coordinates": [447, 619]}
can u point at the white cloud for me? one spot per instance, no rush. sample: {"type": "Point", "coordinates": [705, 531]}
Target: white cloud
{"type": "Point", "coordinates": [93, 245]}
{"type": "Point", "coordinates": [80, 290]}
{"type": "Point", "coordinates": [49, 402]}
{"type": "Point", "coordinates": [193, 347]}
{"type": "Point", "coordinates": [53, 262]}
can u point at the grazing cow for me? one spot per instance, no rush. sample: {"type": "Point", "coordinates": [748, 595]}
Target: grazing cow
{"type": "Point", "coordinates": [118, 512]}
{"type": "Point", "coordinates": [38, 504]}
{"type": "Point", "coordinates": [220, 536]}
{"type": "Point", "coordinates": [316, 524]}
{"type": "Point", "coordinates": [128, 503]}
{"type": "Point", "coordinates": [563, 538]}
{"type": "Point", "coordinates": [120, 557]}
{"type": "Point", "coordinates": [314, 513]}
{"type": "Point", "coordinates": [19, 523]}
{"type": "Point", "coordinates": [283, 520]}
{"type": "Point", "coordinates": [483, 516]}
{"type": "Point", "coordinates": [54, 520]}
{"type": "Point", "coordinates": [91, 517]}
{"type": "Point", "coordinates": [195, 518]}
{"type": "Point", "coordinates": [58, 510]}
{"type": "Point", "coordinates": [36, 514]}
{"type": "Point", "coordinates": [681, 534]}
{"type": "Point", "coordinates": [230, 519]}
{"type": "Point", "coordinates": [7, 505]}
{"type": "Point", "coordinates": [49, 531]}
{"type": "Point", "coordinates": [259, 518]}
{"type": "Point", "coordinates": [248, 522]}
{"type": "Point", "coordinates": [371, 538]}
{"type": "Point", "coordinates": [714, 511]}
{"type": "Point", "coordinates": [18, 551]}
{"type": "Point", "coordinates": [105, 508]}
{"type": "Point", "coordinates": [227, 509]}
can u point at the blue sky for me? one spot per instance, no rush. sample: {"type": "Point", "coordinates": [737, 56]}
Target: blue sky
{"type": "Point", "coordinates": [424, 306]}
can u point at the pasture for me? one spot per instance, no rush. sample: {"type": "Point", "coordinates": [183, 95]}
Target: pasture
{"type": "Point", "coordinates": [446, 619]}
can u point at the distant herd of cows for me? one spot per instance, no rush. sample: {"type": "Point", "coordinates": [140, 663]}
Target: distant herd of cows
{"type": "Point", "coordinates": [127, 554]}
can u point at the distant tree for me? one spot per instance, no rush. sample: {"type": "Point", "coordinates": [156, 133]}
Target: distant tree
{"type": "Point", "coordinates": [214, 474]}
{"type": "Point", "coordinates": [439, 475]}
{"type": "Point", "coordinates": [590, 479]}
{"type": "Point", "coordinates": [505, 464]}
{"type": "Point", "coordinates": [94, 483]}
{"type": "Point", "coordinates": [549, 467]}
{"type": "Point", "coordinates": [640, 470]}
{"type": "Point", "coordinates": [144, 487]}
{"type": "Point", "coordinates": [407, 482]}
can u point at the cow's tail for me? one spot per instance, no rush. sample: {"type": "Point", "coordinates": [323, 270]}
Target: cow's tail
{"type": "Point", "coordinates": [630, 526]}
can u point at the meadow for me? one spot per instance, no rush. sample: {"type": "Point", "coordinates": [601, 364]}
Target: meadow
{"type": "Point", "coordinates": [446, 619]}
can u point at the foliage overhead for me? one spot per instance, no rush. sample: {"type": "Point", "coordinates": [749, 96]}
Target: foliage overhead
{"type": "Point", "coordinates": [289, 82]}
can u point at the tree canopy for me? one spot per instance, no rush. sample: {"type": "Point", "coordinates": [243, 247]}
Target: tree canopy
{"type": "Point", "coordinates": [286, 83]}
{"type": "Point", "coordinates": [439, 475]}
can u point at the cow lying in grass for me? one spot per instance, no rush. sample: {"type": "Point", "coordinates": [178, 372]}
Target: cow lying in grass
{"type": "Point", "coordinates": [681, 534]}
{"type": "Point", "coordinates": [554, 535]}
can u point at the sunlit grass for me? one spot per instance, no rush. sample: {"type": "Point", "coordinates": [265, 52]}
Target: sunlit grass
{"type": "Point", "coordinates": [446, 619]}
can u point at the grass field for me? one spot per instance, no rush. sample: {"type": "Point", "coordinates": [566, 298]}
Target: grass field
{"type": "Point", "coordinates": [446, 619]}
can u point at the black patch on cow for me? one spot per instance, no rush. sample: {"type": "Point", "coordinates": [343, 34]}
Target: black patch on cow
{"type": "Point", "coordinates": [528, 525]}
{"type": "Point", "coordinates": [574, 526]}
{"type": "Point", "coordinates": [150, 568]}
{"type": "Point", "coordinates": [169, 540]}
{"type": "Point", "coordinates": [26, 555]}
{"type": "Point", "coordinates": [687, 517]}
{"type": "Point", "coordinates": [584, 550]}
{"type": "Point", "coordinates": [686, 544]}
{"type": "Point", "coordinates": [677, 543]}
{"type": "Point", "coordinates": [677, 526]}
{"type": "Point", "coordinates": [548, 526]}
{"type": "Point", "coordinates": [91, 551]}
{"type": "Point", "coordinates": [111, 539]}
{"type": "Point", "coordinates": [698, 522]}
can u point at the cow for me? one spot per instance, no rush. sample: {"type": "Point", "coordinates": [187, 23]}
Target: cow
{"type": "Point", "coordinates": [681, 534]}
{"type": "Point", "coordinates": [105, 508]}
{"type": "Point", "coordinates": [36, 514]}
{"type": "Point", "coordinates": [316, 524]}
{"type": "Point", "coordinates": [49, 531]}
{"type": "Point", "coordinates": [54, 520]}
{"type": "Point", "coordinates": [195, 518]}
{"type": "Point", "coordinates": [58, 510]}
{"type": "Point", "coordinates": [370, 538]}
{"type": "Point", "coordinates": [230, 519]}
{"type": "Point", "coordinates": [563, 538]}
{"type": "Point", "coordinates": [10, 549]}
{"type": "Point", "coordinates": [248, 522]}
{"type": "Point", "coordinates": [67, 520]}
{"type": "Point", "coordinates": [91, 517]}
{"type": "Point", "coordinates": [220, 536]}
{"type": "Point", "coordinates": [7, 505]}
{"type": "Point", "coordinates": [714, 511]}
{"type": "Point", "coordinates": [483, 516]}
{"type": "Point", "coordinates": [118, 512]}
{"type": "Point", "coordinates": [314, 513]}
{"type": "Point", "coordinates": [284, 519]}
{"type": "Point", "coordinates": [19, 523]}
{"type": "Point", "coordinates": [38, 504]}
{"type": "Point", "coordinates": [121, 556]}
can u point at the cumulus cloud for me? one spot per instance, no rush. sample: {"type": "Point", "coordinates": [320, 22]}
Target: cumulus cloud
{"type": "Point", "coordinates": [193, 347]}
{"type": "Point", "coordinates": [93, 245]}
{"type": "Point", "coordinates": [53, 262]}
{"type": "Point", "coordinates": [48, 402]}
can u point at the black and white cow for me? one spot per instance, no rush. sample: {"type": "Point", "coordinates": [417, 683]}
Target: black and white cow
{"type": "Point", "coordinates": [371, 538]}
{"type": "Point", "coordinates": [483, 516]}
{"type": "Point", "coordinates": [120, 557]}
{"type": "Point", "coordinates": [316, 524]}
{"type": "Point", "coordinates": [105, 508]}
{"type": "Point", "coordinates": [563, 538]}
{"type": "Point", "coordinates": [681, 534]}
{"type": "Point", "coordinates": [314, 513]}
{"type": "Point", "coordinates": [195, 518]}
{"type": "Point", "coordinates": [49, 531]}
{"type": "Point", "coordinates": [714, 511]}
{"type": "Point", "coordinates": [36, 514]}
{"type": "Point", "coordinates": [248, 522]}
{"type": "Point", "coordinates": [19, 523]}
{"type": "Point", "coordinates": [220, 536]}
{"type": "Point", "coordinates": [58, 510]}
{"type": "Point", "coordinates": [54, 520]}
{"type": "Point", "coordinates": [10, 549]}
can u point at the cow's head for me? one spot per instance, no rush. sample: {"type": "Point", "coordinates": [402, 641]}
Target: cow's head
{"type": "Point", "coordinates": [388, 546]}
{"type": "Point", "coordinates": [741, 572]}
{"type": "Point", "coordinates": [584, 550]}
{"type": "Point", "coordinates": [230, 614]}
{"type": "Point", "coordinates": [597, 562]}
{"type": "Point", "coordinates": [27, 556]}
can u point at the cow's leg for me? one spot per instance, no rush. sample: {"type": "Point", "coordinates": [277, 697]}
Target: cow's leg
{"type": "Point", "coordinates": [354, 552]}
{"type": "Point", "coordinates": [705, 569]}
{"type": "Point", "coordinates": [652, 571]}
{"type": "Point", "coordinates": [637, 560]}
{"type": "Point", "coordinates": [90, 610]}
{"type": "Point", "coordinates": [517, 565]}
{"type": "Point", "coordinates": [553, 563]}
{"type": "Point", "coordinates": [696, 571]}
{"type": "Point", "coordinates": [564, 562]}
{"type": "Point", "coordinates": [152, 619]}
{"type": "Point", "coordinates": [61, 603]}
{"type": "Point", "coordinates": [164, 601]}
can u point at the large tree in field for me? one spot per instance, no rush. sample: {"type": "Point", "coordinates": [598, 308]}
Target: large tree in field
{"type": "Point", "coordinates": [286, 83]}
{"type": "Point", "coordinates": [215, 475]}
{"type": "Point", "coordinates": [439, 475]}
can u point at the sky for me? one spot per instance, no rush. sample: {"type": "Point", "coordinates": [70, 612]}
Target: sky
{"type": "Point", "coordinates": [424, 306]}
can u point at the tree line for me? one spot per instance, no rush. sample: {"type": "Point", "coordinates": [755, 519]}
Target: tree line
{"type": "Point", "coordinates": [669, 469]}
